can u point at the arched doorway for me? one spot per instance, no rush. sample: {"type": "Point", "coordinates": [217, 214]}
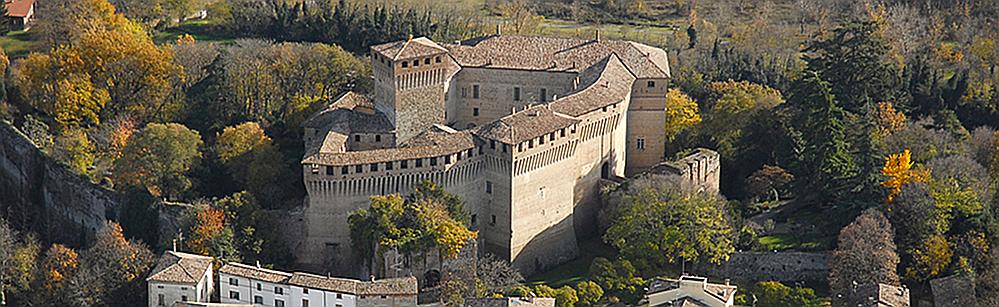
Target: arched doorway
{"type": "Point", "coordinates": [431, 279]}
{"type": "Point", "coordinates": [605, 171]}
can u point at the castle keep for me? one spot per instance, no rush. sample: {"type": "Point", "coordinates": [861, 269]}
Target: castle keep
{"type": "Point", "coordinates": [524, 129]}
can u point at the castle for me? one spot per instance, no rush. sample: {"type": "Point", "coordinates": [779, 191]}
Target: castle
{"type": "Point", "coordinates": [525, 129]}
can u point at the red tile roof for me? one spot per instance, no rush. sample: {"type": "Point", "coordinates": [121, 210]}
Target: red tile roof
{"type": "Point", "coordinates": [19, 8]}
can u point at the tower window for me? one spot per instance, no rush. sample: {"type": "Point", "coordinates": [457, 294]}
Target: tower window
{"type": "Point", "coordinates": [343, 170]}
{"type": "Point", "coordinates": [416, 63]}
{"type": "Point", "coordinates": [475, 111]}
{"type": "Point", "coordinates": [357, 138]}
{"type": "Point", "coordinates": [492, 144]}
{"type": "Point", "coordinates": [433, 161]}
{"type": "Point", "coordinates": [404, 164]}
{"type": "Point", "coordinates": [389, 166]}
{"type": "Point", "coordinates": [419, 162]}
{"type": "Point", "coordinates": [544, 95]}
{"type": "Point", "coordinates": [489, 187]}
{"type": "Point", "coordinates": [358, 169]}
{"type": "Point", "coordinates": [652, 83]}
{"type": "Point", "coordinates": [374, 167]}
{"type": "Point", "coordinates": [493, 222]}
{"type": "Point", "coordinates": [438, 59]}
{"type": "Point", "coordinates": [640, 143]}
{"type": "Point", "coordinates": [504, 147]}
{"type": "Point", "coordinates": [516, 94]}
{"type": "Point", "coordinates": [329, 170]}
{"type": "Point", "coordinates": [405, 64]}
{"type": "Point", "coordinates": [447, 159]}
{"type": "Point", "coordinates": [464, 92]}
{"type": "Point", "coordinates": [473, 219]}
{"type": "Point", "coordinates": [378, 138]}
{"type": "Point", "coordinates": [475, 91]}
{"type": "Point", "coordinates": [426, 61]}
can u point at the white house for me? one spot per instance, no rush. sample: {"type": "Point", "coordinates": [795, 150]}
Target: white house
{"type": "Point", "coordinates": [688, 291]}
{"type": "Point", "coordinates": [180, 277]}
{"type": "Point", "coordinates": [246, 284]}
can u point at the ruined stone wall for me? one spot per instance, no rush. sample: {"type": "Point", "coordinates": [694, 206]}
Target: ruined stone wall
{"type": "Point", "coordinates": [787, 267]}
{"type": "Point", "coordinates": [43, 196]}
{"type": "Point", "coordinates": [698, 171]}
{"type": "Point", "coordinates": [496, 93]}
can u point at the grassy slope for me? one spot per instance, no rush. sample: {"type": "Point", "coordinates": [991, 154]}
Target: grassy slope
{"type": "Point", "coordinates": [19, 44]}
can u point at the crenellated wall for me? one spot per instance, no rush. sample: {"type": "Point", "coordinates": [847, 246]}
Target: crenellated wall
{"type": "Point", "coordinates": [43, 196]}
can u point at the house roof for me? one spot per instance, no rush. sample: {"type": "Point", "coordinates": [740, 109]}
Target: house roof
{"type": "Point", "coordinates": [525, 125]}
{"type": "Point", "coordinates": [557, 54]}
{"type": "Point", "coordinates": [19, 8]}
{"type": "Point", "coordinates": [248, 271]}
{"type": "Point", "coordinates": [607, 82]}
{"type": "Point", "coordinates": [688, 285]}
{"type": "Point", "coordinates": [389, 286]}
{"type": "Point", "coordinates": [351, 112]}
{"type": "Point", "coordinates": [407, 49]}
{"type": "Point", "coordinates": [334, 284]}
{"type": "Point", "coordinates": [429, 146]}
{"type": "Point", "coordinates": [178, 267]}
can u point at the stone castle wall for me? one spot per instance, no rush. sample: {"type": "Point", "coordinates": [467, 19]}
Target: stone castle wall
{"type": "Point", "coordinates": [496, 93]}
{"type": "Point", "coordinates": [787, 267]}
{"type": "Point", "coordinates": [43, 196]}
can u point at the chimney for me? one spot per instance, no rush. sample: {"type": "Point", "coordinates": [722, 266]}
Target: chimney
{"type": "Point", "coordinates": [499, 29]}
{"type": "Point", "coordinates": [728, 282]}
{"type": "Point", "coordinates": [174, 245]}
{"type": "Point", "coordinates": [258, 264]}
{"type": "Point", "coordinates": [596, 35]}
{"type": "Point", "coordinates": [372, 278]}
{"type": "Point", "coordinates": [410, 37]}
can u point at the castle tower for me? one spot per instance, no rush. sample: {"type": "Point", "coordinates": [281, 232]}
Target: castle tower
{"type": "Point", "coordinates": [411, 79]}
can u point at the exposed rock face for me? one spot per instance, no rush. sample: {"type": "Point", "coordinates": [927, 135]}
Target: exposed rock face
{"type": "Point", "coordinates": [41, 195]}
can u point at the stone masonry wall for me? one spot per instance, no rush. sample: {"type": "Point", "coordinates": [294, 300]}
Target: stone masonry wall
{"type": "Point", "coordinates": [41, 195]}
{"type": "Point", "coordinates": [785, 267]}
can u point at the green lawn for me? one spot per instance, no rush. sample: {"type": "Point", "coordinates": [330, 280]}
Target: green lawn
{"type": "Point", "coordinates": [202, 30]}
{"type": "Point", "coordinates": [19, 44]}
{"type": "Point", "coordinates": [576, 270]}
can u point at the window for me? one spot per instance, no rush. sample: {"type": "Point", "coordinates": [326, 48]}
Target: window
{"type": "Point", "coordinates": [305, 303]}
{"type": "Point", "coordinates": [183, 298]}
{"type": "Point", "coordinates": [357, 138]}
{"type": "Point", "coordinates": [541, 140]}
{"type": "Point", "coordinates": [551, 136]}
{"type": "Point", "coordinates": [405, 64]}
{"type": "Point", "coordinates": [504, 147]}
{"type": "Point", "coordinates": [258, 286]}
{"type": "Point", "coordinates": [388, 166]}
{"type": "Point", "coordinates": [652, 83]}
{"type": "Point", "coordinates": [344, 170]}
{"type": "Point", "coordinates": [374, 167]}
{"type": "Point", "coordinates": [492, 144]}
{"type": "Point", "coordinates": [544, 95]}
{"type": "Point", "coordinates": [493, 222]}
{"type": "Point", "coordinates": [278, 290]}
{"type": "Point", "coordinates": [378, 138]}
{"type": "Point", "coordinates": [159, 300]}
{"type": "Point", "coordinates": [541, 192]}
{"type": "Point", "coordinates": [433, 161]}
{"type": "Point", "coordinates": [329, 170]}
{"type": "Point", "coordinates": [489, 187]}
{"type": "Point", "coordinates": [159, 287]}
{"type": "Point", "coordinates": [404, 164]}
{"type": "Point", "coordinates": [419, 162]}
{"type": "Point", "coordinates": [305, 290]}
{"type": "Point", "coordinates": [475, 111]}
{"type": "Point", "coordinates": [258, 299]}
{"type": "Point", "coordinates": [516, 94]}
{"type": "Point", "coordinates": [339, 296]}
{"type": "Point", "coordinates": [278, 303]}
{"type": "Point", "coordinates": [234, 295]}
{"type": "Point", "coordinates": [473, 219]}
{"type": "Point", "coordinates": [416, 63]}
{"type": "Point", "coordinates": [447, 159]}
{"type": "Point", "coordinates": [464, 92]}
{"type": "Point", "coordinates": [358, 169]}
{"type": "Point", "coordinates": [530, 144]}
{"type": "Point", "coordinates": [520, 147]}
{"type": "Point", "coordinates": [233, 282]}
{"type": "Point", "coordinates": [475, 91]}
{"type": "Point", "coordinates": [438, 59]}
{"type": "Point", "coordinates": [640, 143]}
{"type": "Point", "coordinates": [426, 61]}
{"type": "Point", "coordinates": [563, 132]}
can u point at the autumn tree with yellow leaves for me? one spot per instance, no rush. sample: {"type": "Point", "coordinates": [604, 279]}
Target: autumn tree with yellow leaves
{"type": "Point", "coordinates": [899, 170]}
{"type": "Point", "coordinates": [681, 113]}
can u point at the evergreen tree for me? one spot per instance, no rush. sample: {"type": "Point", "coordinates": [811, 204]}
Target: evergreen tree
{"type": "Point", "coordinates": [829, 168]}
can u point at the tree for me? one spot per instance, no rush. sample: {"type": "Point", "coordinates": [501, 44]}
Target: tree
{"type": "Point", "coordinates": [618, 279]}
{"type": "Point", "coordinates": [496, 275]}
{"type": "Point", "coordinates": [59, 264]}
{"type": "Point", "coordinates": [209, 236]}
{"type": "Point", "coordinates": [776, 294]}
{"type": "Point", "coordinates": [654, 228]}
{"type": "Point", "coordinates": [898, 169]}
{"type": "Point", "coordinates": [865, 254]}
{"type": "Point", "coordinates": [681, 113]}
{"type": "Point", "coordinates": [111, 271]}
{"type": "Point", "coordinates": [589, 292]}
{"type": "Point", "coordinates": [769, 180]}
{"type": "Point", "coordinates": [930, 259]}
{"type": "Point", "coordinates": [75, 149]}
{"type": "Point", "coordinates": [566, 297]}
{"type": "Point", "coordinates": [254, 162]}
{"type": "Point", "coordinates": [520, 17]}
{"type": "Point", "coordinates": [890, 120]}
{"type": "Point", "coordinates": [158, 158]}
{"type": "Point", "coordinates": [829, 168]}
{"type": "Point", "coordinates": [731, 107]}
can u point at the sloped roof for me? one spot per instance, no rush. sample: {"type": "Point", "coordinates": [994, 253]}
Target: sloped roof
{"type": "Point", "coordinates": [351, 112]}
{"type": "Point", "coordinates": [334, 284]}
{"type": "Point", "coordinates": [248, 271]}
{"type": "Point", "coordinates": [557, 54]}
{"type": "Point", "coordinates": [525, 125]}
{"type": "Point", "coordinates": [19, 8]}
{"type": "Point", "coordinates": [390, 286]}
{"type": "Point", "coordinates": [607, 83]}
{"type": "Point", "coordinates": [178, 267]}
{"type": "Point", "coordinates": [407, 49]}
{"type": "Point", "coordinates": [435, 146]}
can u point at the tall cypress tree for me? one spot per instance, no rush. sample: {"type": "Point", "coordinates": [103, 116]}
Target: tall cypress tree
{"type": "Point", "coordinates": [830, 170]}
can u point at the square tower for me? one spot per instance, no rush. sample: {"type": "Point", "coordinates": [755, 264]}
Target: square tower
{"type": "Point", "coordinates": [411, 80]}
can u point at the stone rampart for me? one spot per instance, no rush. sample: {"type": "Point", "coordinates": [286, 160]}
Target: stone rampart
{"type": "Point", "coordinates": [41, 195]}
{"type": "Point", "coordinates": [787, 267]}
